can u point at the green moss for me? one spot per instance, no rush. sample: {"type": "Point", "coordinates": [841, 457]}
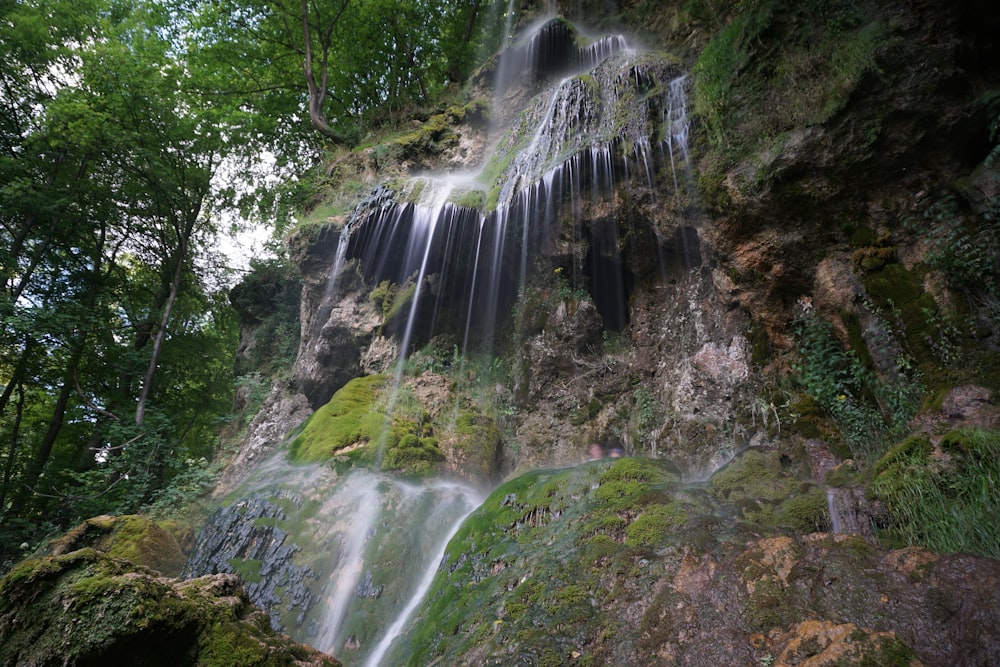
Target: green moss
{"type": "Point", "coordinates": [862, 237]}
{"type": "Point", "coordinates": [914, 450]}
{"type": "Point", "coordinates": [470, 198]}
{"type": "Point", "coordinates": [805, 513]}
{"type": "Point", "coordinates": [478, 438]}
{"type": "Point", "coordinates": [894, 282]}
{"type": "Point", "coordinates": [768, 606]}
{"type": "Point", "coordinates": [349, 418]}
{"type": "Point", "coordinates": [779, 66]}
{"type": "Point", "coordinates": [88, 608]}
{"type": "Point", "coordinates": [134, 538]}
{"type": "Point", "coordinates": [843, 475]}
{"type": "Point", "coordinates": [391, 299]}
{"type": "Point", "coordinates": [650, 527]}
{"type": "Point", "coordinates": [247, 568]}
{"type": "Point", "coordinates": [413, 454]}
{"type": "Point", "coordinates": [754, 474]}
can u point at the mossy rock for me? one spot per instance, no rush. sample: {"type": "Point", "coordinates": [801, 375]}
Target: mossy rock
{"type": "Point", "coordinates": [477, 444]}
{"type": "Point", "coordinates": [754, 474]}
{"type": "Point", "coordinates": [348, 420]}
{"type": "Point", "coordinates": [134, 538]}
{"type": "Point", "coordinates": [86, 607]}
{"type": "Point", "coordinates": [413, 454]}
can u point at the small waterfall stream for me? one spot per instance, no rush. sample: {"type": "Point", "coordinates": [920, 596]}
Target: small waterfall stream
{"type": "Point", "coordinates": [341, 560]}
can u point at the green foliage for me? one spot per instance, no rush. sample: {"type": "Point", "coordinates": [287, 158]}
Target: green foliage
{"type": "Point", "coordinates": [965, 246]}
{"type": "Point", "coordinates": [750, 91]}
{"type": "Point", "coordinates": [870, 411]}
{"type": "Point", "coordinates": [565, 290]}
{"type": "Point", "coordinates": [944, 499]}
{"type": "Point", "coordinates": [964, 249]}
{"type": "Point", "coordinates": [266, 302]}
{"type": "Point", "coordinates": [117, 339]}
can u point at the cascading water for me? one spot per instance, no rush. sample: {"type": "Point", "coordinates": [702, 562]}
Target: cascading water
{"type": "Point", "coordinates": [333, 557]}
{"type": "Point", "coordinates": [611, 118]}
{"type": "Point", "coordinates": [341, 561]}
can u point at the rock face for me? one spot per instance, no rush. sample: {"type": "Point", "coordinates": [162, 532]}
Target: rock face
{"type": "Point", "coordinates": [87, 608]}
{"type": "Point", "coordinates": [243, 534]}
{"type": "Point", "coordinates": [619, 563]}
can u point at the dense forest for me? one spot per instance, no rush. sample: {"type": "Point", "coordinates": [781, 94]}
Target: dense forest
{"type": "Point", "coordinates": [132, 143]}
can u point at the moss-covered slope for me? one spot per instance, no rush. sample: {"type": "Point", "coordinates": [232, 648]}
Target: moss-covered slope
{"type": "Point", "coordinates": [615, 563]}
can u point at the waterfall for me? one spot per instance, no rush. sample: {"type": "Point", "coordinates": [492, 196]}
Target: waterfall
{"type": "Point", "coordinates": [333, 557]}
{"type": "Point", "coordinates": [341, 560]}
{"type": "Point", "coordinates": [831, 507]}
{"type": "Point", "coordinates": [424, 583]}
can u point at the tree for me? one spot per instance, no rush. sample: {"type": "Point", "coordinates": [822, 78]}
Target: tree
{"type": "Point", "coordinates": [107, 208]}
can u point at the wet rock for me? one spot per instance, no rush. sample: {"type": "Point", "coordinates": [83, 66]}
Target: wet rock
{"type": "Point", "coordinates": [241, 538]}
{"type": "Point", "coordinates": [367, 589]}
{"type": "Point", "coordinates": [821, 458]}
{"type": "Point", "coordinates": [700, 588]}
{"type": "Point", "coordinates": [815, 643]}
{"type": "Point", "coordinates": [282, 410]}
{"type": "Point", "coordinates": [964, 406]}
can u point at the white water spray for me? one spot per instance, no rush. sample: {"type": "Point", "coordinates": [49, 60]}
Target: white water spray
{"type": "Point", "coordinates": [472, 500]}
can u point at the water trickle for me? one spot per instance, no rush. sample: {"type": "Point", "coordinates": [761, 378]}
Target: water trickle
{"type": "Point", "coordinates": [428, 573]}
{"type": "Point", "coordinates": [831, 506]}
{"type": "Point", "coordinates": [332, 557]}
{"type": "Point", "coordinates": [331, 283]}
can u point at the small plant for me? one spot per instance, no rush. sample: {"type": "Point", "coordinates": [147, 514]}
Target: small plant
{"type": "Point", "coordinates": [567, 291]}
{"type": "Point", "coordinates": [946, 343]}
{"type": "Point", "coordinates": [870, 411]}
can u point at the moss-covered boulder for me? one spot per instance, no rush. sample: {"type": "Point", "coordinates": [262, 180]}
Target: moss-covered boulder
{"type": "Point", "coordinates": [134, 538]}
{"type": "Point", "coordinates": [373, 423]}
{"type": "Point", "coordinates": [87, 608]}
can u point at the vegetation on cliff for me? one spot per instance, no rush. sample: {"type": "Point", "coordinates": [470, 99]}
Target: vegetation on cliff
{"type": "Point", "coordinates": [825, 280]}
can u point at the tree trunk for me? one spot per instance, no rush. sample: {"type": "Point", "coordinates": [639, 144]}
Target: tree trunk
{"type": "Point", "coordinates": [12, 450]}
{"type": "Point", "coordinates": [37, 466]}
{"type": "Point", "coordinates": [317, 90]}
{"type": "Point", "coordinates": [154, 359]}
